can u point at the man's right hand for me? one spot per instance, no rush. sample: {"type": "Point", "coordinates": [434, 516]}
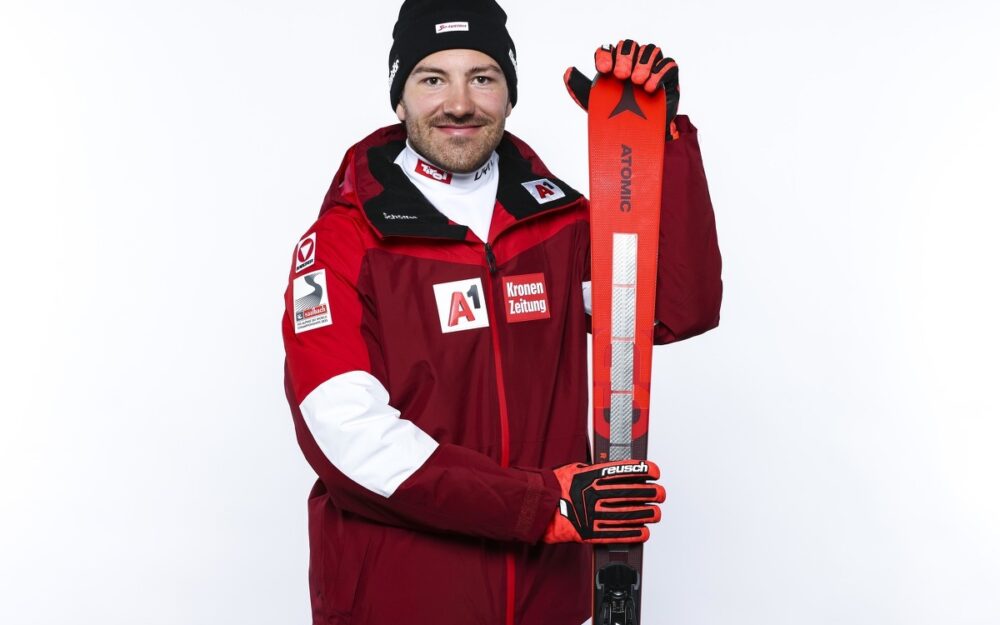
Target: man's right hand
{"type": "Point", "coordinates": [644, 66]}
{"type": "Point", "coordinates": [611, 502]}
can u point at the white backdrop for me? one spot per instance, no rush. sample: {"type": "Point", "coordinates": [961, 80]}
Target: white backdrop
{"type": "Point", "coordinates": [830, 451]}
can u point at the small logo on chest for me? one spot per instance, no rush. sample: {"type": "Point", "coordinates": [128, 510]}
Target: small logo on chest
{"type": "Point", "coordinates": [525, 298]}
{"type": "Point", "coordinates": [461, 305]}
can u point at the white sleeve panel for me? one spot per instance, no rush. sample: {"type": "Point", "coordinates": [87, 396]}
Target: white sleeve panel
{"type": "Point", "coordinates": [351, 420]}
{"type": "Point", "coordinates": [587, 305]}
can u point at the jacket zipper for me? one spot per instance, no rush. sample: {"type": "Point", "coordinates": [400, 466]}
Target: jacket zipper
{"type": "Point", "coordinates": [491, 260]}
{"type": "Point", "coordinates": [491, 264]}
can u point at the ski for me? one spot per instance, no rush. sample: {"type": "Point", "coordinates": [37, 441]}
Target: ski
{"type": "Point", "coordinates": [626, 135]}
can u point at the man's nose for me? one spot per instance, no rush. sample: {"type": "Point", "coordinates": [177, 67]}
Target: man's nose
{"type": "Point", "coordinates": [459, 101]}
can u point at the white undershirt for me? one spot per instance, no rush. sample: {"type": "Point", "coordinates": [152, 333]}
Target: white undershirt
{"type": "Point", "coordinates": [466, 199]}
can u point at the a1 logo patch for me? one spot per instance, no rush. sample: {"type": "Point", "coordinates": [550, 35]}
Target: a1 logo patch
{"type": "Point", "coordinates": [461, 305]}
{"type": "Point", "coordinates": [525, 298]}
{"type": "Point", "coordinates": [543, 190]}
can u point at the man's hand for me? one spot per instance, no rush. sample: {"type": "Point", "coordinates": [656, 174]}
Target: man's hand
{"type": "Point", "coordinates": [643, 65]}
{"type": "Point", "coordinates": [606, 503]}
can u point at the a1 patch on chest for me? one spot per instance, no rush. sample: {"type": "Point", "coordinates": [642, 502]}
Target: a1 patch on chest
{"type": "Point", "coordinates": [461, 305]}
{"type": "Point", "coordinates": [525, 298]}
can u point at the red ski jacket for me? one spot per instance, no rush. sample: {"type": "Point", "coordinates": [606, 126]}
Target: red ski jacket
{"type": "Point", "coordinates": [435, 380]}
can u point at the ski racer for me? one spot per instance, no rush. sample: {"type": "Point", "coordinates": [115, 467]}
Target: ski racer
{"type": "Point", "coordinates": [436, 344]}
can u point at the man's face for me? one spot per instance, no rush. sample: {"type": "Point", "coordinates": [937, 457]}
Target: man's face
{"type": "Point", "coordinates": [454, 105]}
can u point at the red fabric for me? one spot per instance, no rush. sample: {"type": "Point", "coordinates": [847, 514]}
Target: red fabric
{"type": "Point", "coordinates": [689, 283]}
{"type": "Point", "coordinates": [458, 542]}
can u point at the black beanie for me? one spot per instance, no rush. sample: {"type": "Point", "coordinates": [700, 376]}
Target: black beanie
{"type": "Point", "coordinates": [428, 26]}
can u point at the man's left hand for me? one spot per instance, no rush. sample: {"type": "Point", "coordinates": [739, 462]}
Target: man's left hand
{"type": "Point", "coordinates": [643, 65]}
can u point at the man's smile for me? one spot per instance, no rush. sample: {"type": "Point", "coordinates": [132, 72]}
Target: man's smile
{"type": "Point", "coordinates": [459, 131]}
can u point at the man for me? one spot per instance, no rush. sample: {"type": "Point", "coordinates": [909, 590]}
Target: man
{"type": "Point", "coordinates": [435, 334]}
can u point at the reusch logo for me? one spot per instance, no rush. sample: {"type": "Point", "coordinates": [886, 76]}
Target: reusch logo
{"type": "Point", "coordinates": [642, 467]}
{"type": "Point", "coordinates": [625, 194]}
{"type": "Point", "coordinates": [427, 170]}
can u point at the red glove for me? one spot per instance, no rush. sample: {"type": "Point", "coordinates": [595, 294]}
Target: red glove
{"type": "Point", "coordinates": [606, 503]}
{"type": "Point", "coordinates": [643, 65]}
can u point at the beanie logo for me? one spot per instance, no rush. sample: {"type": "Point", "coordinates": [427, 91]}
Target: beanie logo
{"type": "Point", "coordinates": [451, 27]}
{"type": "Point", "coordinates": [513, 60]}
{"type": "Point", "coordinates": [392, 72]}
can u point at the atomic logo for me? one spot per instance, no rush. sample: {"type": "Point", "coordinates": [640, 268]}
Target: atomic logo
{"type": "Point", "coordinates": [627, 103]}
{"type": "Point", "coordinates": [625, 194]}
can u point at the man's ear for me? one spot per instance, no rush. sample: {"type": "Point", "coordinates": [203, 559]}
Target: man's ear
{"type": "Point", "coordinates": [510, 107]}
{"type": "Point", "coordinates": [401, 111]}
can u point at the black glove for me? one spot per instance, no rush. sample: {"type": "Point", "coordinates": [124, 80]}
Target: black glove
{"type": "Point", "coordinates": [645, 66]}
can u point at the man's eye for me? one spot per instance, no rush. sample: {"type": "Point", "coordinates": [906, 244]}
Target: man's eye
{"type": "Point", "coordinates": [483, 80]}
{"type": "Point", "coordinates": [432, 80]}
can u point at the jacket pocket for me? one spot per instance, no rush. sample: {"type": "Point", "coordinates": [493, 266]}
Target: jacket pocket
{"type": "Point", "coordinates": [338, 549]}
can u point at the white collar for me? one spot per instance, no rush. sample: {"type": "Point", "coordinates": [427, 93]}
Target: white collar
{"type": "Point", "coordinates": [440, 179]}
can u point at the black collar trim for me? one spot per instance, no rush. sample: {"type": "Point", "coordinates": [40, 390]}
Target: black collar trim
{"type": "Point", "coordinates": [515, 170]}
{"type": "Point", "coordinates": [400, 209]}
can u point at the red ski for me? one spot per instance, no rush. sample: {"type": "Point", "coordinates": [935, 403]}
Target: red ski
{"type": "Point", "coordinates": [627, 134]}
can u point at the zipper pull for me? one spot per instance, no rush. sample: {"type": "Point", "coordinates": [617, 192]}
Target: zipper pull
{"type": "Point", "coordinates": [491, 260]}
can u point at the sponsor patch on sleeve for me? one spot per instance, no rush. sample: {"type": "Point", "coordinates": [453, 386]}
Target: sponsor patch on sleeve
{"type": "Point", "coordinates": [543, 190]}
{"type": "Point", "coordinates": [525, 298]}
{"type": "Point", "coordinates": [312, 302]}
{"type": "Point", "coordinates": [305, 253]}
{"type": "Point", "coordinates": [461, 305]}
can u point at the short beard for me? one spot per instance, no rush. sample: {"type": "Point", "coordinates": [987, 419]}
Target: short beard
{"type": "Point", "coordinates": [461, 155]}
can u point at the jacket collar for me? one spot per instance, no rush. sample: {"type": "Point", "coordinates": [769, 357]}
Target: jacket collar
{"type": "Point", "coordinates": [370, 181]}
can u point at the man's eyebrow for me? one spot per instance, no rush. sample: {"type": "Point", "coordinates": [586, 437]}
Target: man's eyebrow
{"type": "Point", "coordinates": [479, 69]}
